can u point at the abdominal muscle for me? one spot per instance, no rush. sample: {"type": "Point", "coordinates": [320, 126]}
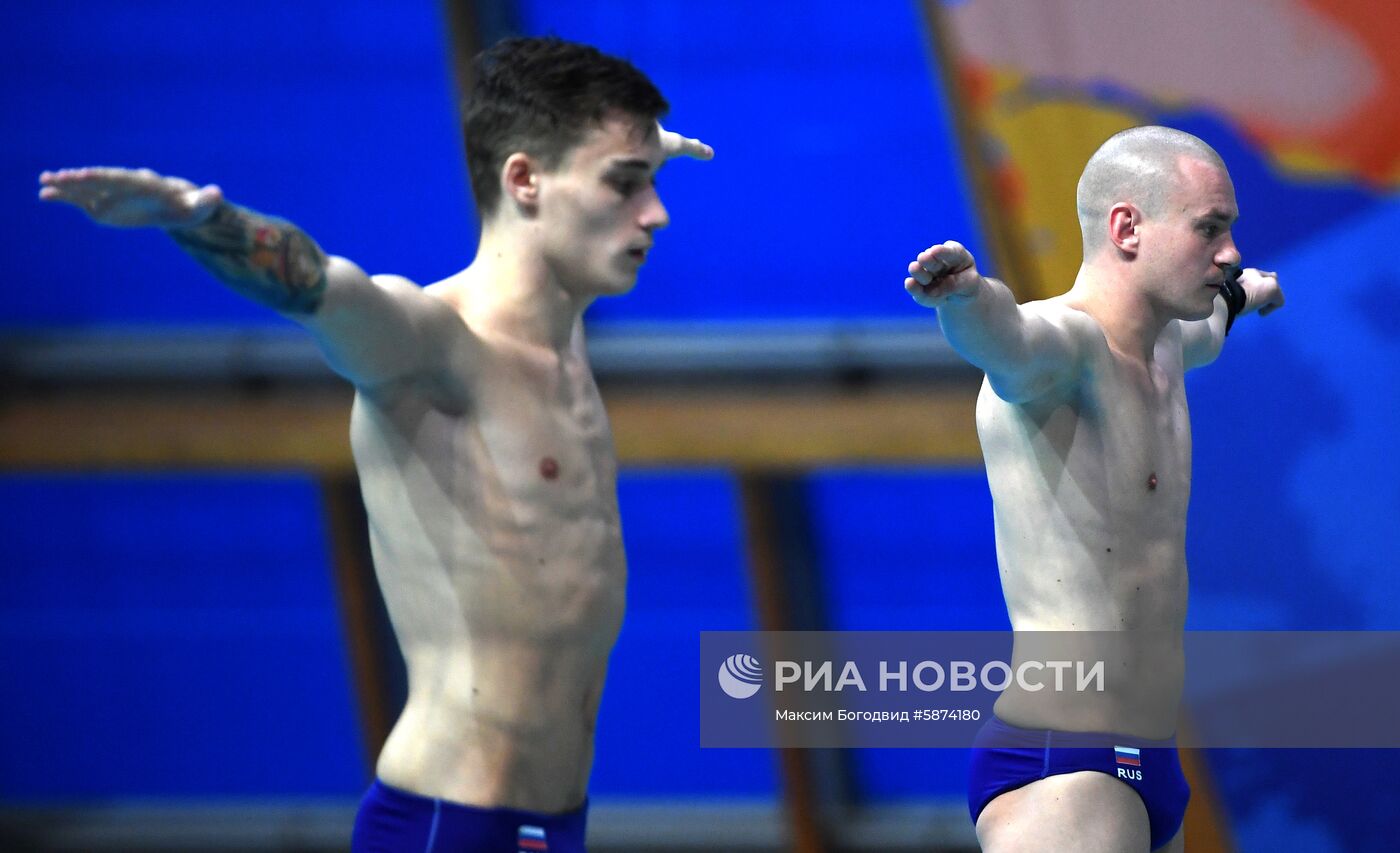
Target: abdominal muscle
{"type": "Point", "coordinates": [502, 696]}
{"type": "Point", "coordinates": [1092, 563]}
{"type": "Point", "coordinates": [1122, 614]}
{"type": "Point", "coordinates": [506, 590]}
{"type": "Point", "coordinates": [498, 723]}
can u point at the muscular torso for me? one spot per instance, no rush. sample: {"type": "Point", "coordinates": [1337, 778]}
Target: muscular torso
{"type": "Point", "coordinates": [1090, 484]}
{"type": "Point", "coordinates": [498, 548]}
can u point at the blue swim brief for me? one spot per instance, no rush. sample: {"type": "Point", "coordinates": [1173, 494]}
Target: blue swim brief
{"type": "Point", "coordinates": [1005, 758]}
{"type": "Point", "coordinates": [391, 820]}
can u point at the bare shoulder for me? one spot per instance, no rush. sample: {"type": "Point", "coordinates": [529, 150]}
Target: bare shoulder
{"type": "Point", "coordinates": [1058, 342]}
{"type": "Point", "coordinates": [1080, 328]}
{"type": "Point", "coordinates": [1066, 315]}
{"type": "Point", "coordinates": [432, 311]}
{"type": "Point", "coordinates": [404, 288]}
{"type": "Point", "coordinates": [447, 289]}
{"type": "Point", "coordinates": [389, 281]}
{"type": "Point", "coordinates": [434, 302]}
{"type": "Point", "coordinates": [448, 349]}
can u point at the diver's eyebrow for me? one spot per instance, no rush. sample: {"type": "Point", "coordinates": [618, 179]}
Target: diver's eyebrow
{"type": "Point", "coordinates": [1218, 214]}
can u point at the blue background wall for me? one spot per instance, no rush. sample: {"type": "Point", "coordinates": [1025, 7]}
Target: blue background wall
{"type": "Point", "coordinates": [156, 627]}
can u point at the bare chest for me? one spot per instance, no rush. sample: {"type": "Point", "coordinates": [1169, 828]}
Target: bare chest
{"type": "Point", "coordinates": [502, 517]}
{"type": "Point", "coordinates": [530, 455]}
{"type": "Point", "coordinates": [543, 440]}
{"type": "Point", "coordinates": [1139, 419]}
{"type": "Point", "coordinates": [1116, 446]}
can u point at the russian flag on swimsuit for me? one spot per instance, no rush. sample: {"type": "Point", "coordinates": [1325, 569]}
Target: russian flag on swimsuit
{"type": "Point", "coordinates": [1127, 755]}
{"type": "Point", "coordinates": [531, 839]}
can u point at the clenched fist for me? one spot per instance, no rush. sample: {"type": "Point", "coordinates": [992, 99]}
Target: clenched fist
{"type": "Point", "coordinates": [942, 273]}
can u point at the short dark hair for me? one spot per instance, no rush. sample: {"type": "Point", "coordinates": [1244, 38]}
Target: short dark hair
{"type": "Point", "coordinates": [541, 96]}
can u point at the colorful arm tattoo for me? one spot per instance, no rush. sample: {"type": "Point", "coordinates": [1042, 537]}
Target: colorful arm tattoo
{"type": "Point", "coordinates": [266, 259]}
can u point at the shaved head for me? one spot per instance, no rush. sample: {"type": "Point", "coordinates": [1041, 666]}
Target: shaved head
{"type": "Point", "coordinates": [1140, 166]}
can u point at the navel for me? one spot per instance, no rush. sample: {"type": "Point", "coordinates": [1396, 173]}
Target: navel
{"type": "Point", "coordinates": [549, 468]}
{"type": "Point", "coordinates": [1152, 482]}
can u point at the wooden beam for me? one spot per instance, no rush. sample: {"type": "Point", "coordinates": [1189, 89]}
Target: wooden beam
{"type": "Point", "coordinates": [1207, 825]}
{"type": "Point", "coordinates": [472, 26]}
{"type": "Point", "coordinates": [308, 429]}
{"type": "Point", "coordinates": [773, 600]}
{"type": "Point", "coordinates": [797, 429]}
{"type": "Point", "coordinates": [368, 640]}
{"type": "Point", "coordinates": [301, 429]}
